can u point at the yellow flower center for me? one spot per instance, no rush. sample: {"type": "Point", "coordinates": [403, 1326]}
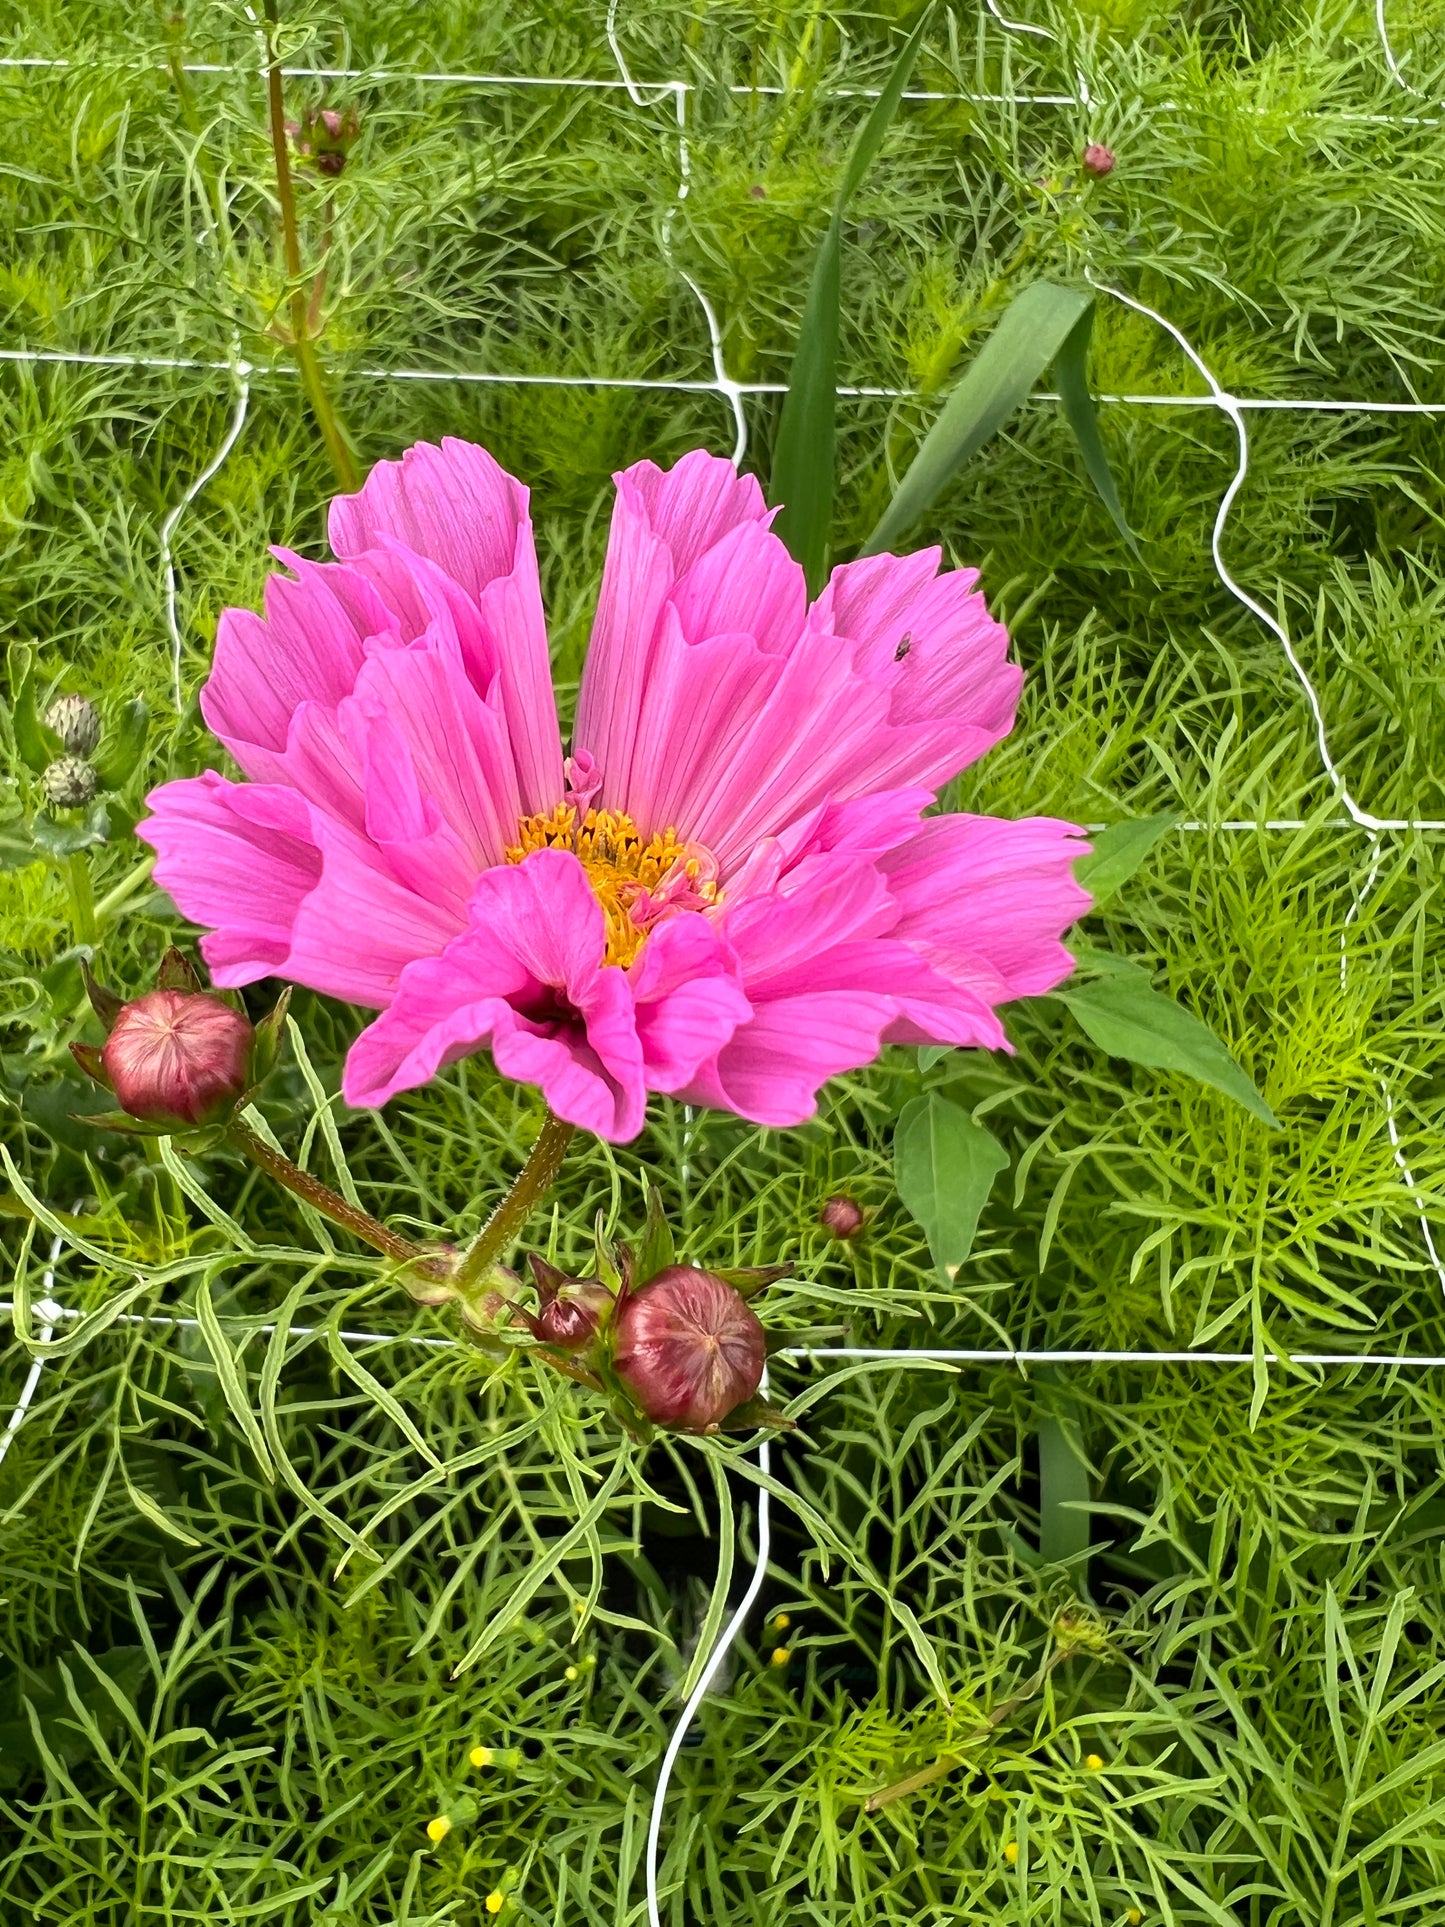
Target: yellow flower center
{"type": "Point", "coordinates": [628, 873]}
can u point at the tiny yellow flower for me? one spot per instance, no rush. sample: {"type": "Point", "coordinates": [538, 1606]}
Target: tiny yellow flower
{"type": "Point", "coordinates": [496, 1900]}
{"type": "Point", "coordinates": [438, 1829]}
{"type": "Point", "coordinates": [1011, 1851]}
{"type": "Point", "coordinates": [481, 1756]}
{"type": "Point", "coordinates": [780, 1656]}
{"type": "Point", "coordinates": [1093, 1761]}
{"type": "Point", "coordinates": [781, 1622]}
{"type": "Point", "coordinates": [1134, 1917]}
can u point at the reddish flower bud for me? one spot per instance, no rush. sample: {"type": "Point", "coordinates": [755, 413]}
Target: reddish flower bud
{"type": "Point", "coordinates": [178, 1057]}
{"type": "Point", "coordinates": [842, 1218]}
{"type": "Point", "coordinates": [688, 1349]}
{"type": "Point", "coordinates": [570, 1308]}
{"type": "Point", "coordinates": [1098, 160]}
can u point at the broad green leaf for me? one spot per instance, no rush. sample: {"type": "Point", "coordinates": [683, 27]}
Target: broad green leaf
{"type": "Point", "coordinates": [1132, 1020]}
{"type": "Point", "coordinates": [1118, 852]}
{"type": "Point", "coordinates": [931, 1054]}
{"type": "Point", "coordinates": [944, 1166]}
{"type": "Point", "coordinates": [1063, 1491]}
{"type": "Point", "coordinates": [1026, 338]}
{"type": "Point", "coordinates": [60, 839]}
{"type": "Point", "coordinates": [1072, 376]}
{"type": "Point", "coordinates": [38, 746]}
{"type": "Point", "coordinates": [123, 745]}
{"type": "Point", "coordinates": [804, 456]}
{"type": "Point", "coordinates": [1104, 963]}
{"type": "Point", "coordinates": [17, 845]}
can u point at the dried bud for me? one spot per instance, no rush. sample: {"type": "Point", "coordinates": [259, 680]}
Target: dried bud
{"type": "Point", "coordinates": [688, 1349]}
{"type": "Point", "coordinates": [842, 1218]}
{"type": "Point", "coordinates": [325, 137]}
{"type": "Point", "coordinates": [178, 1057]}
{"type": "Point", "coordinates": [570, 1308]}
{"type": "Point", "coordinates": [76, 724]}
{"type": "Point", "coordinates": [69, 783]}
{"type": "Point", "coordinates": [1098, 160]}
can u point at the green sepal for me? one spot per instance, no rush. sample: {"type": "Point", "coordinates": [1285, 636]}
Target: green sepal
{"type": "Point", "coordinates": [177, 972]}
{"type": "Point", "coordinates": [269, 1035]}
{"type": "Point", "coordinates": [59, 839]}
{"type": "Point", "coordinates": [750, 1280]}
{"type": "Point", "coordinates": [38, 746]}
{"type": "Point", "coordinates": [757, 1412]}
{"type": "Point", "coordinates": [656, 1251]}
{"type": "Point", "coordinates": [608, 1267]}
{"type": "Point", "coordinates": [106, 1004]}
{"type": "Point", "coordinates": [88, 1058]}
{"type": "Point", "coordinates": [120, 1121]}
{"type": "Point", "coordinates": [124, 746]}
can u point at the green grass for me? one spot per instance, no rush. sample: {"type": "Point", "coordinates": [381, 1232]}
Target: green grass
{"type": "Point", "coordinates": [228, 1697]}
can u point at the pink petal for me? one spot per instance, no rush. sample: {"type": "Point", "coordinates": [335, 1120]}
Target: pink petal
{"type": "Point", "coordinates": [307, 648]}
{"type": "Point", "coordinates": [772, 1070]}
{"type": "Point", "coordinates": [688, 1000]}
{"type": "Point", "coordinates": [456, 508]}
{"type": "Point", "coordinates": [987, 901]}
{"type": "Point", "coordinates": [527, 978]}
{"type": "Point", "coordinates": [238, 857]}
{"type": "Point", "coordinates": [666, 526]}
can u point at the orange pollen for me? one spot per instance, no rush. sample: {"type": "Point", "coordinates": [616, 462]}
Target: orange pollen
{"type": "Point", "coordinates": [635, 879]}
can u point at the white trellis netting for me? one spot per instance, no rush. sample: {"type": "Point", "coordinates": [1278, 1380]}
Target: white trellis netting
{"type": "Point", "coordinates": [676, 94]}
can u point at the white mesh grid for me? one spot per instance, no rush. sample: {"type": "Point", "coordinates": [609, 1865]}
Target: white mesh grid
{"type": "Point", "coordinates": [646, 94]}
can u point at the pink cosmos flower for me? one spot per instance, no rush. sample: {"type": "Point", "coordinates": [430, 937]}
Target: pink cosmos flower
{"type": "Point", "coordinates": [726, 892]}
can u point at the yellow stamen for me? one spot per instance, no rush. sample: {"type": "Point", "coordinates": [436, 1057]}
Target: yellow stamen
{"type": "Point", "coordinates": [622, 866]}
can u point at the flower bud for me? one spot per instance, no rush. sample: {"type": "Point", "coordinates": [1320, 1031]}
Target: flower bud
{"type": "Point", "coordinates": [325, 137]}
{"type": "Point", "coordinates": [1098, 160]}
{"type": "Point", "coordinates": [688, 1349]}
{"type": "Point", "coordinates": [75, 722]}
{"type": "Point", "coordinates": [178, 1057]}
{"type": "Point", "coordinates": [69, 783]}
{"type": "Point", "coordinates": [842, 1218]}
{"type": "Point", "coordinates": [570, 1308]}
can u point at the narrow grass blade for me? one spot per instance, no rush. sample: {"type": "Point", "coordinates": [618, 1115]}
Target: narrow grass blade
{"type": "Point", "coordinates": [1028, 335]}
{"type": "Point", "coordinates": [1072, 378]}
{"type": "Point", "coordinates": [804, 456]}
{"type": "Point", "coordinates": [229, 1371]}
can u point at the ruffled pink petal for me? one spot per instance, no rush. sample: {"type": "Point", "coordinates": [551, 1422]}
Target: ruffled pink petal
{"type": "Point", "coordinates": [986, 901]}
{"type": "Point", "coordinates": [526, 978]}
{"type": "Point", "coordinates": [687, 997]}
{"type": "Point", "coordinates": [455, 507]}
{"type": "Point", "coordinates": [307, 648]}
{"type": "Point", "coordinates": [238, 857]}
{"type": "Point", "coordinates": [665, 526]}
{"type": "Point", "coordinates": [774, 1067]}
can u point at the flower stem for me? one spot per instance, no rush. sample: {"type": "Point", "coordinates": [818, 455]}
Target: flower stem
{"type": "Point", "coordinates": [331, 1205]}
{"type": "Point", "coordinates": [307, 361]}
{"type": "Point", "coordinates": [531, 1185]}
{"type": "Point", "coordinates": [82, 897]}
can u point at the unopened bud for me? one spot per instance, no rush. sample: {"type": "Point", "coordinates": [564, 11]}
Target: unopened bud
{"type": "Point", "coordinates": [325, 136]}
{"type": "Point", "coordinates": [570, 1308]}
{"type": "Point", "coordinates": [688, 1349]}
{"type": "Point", "coordinates": [76, 724]}
{"type": "Point", "coordinates": [69, 783]}
{"type": "Point", "coordinates": [178, 1057]}
{"type": "Point", "coordinates": [1098, 160]}
{"type": "Point", "coordinates": [842, 1218]}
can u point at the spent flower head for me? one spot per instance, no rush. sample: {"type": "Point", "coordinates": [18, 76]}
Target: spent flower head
{"type": "Point", "coordinates": [75, 721]}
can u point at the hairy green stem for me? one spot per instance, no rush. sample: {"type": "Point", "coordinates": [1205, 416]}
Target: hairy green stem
{"type": "Point", "coordinates": [82, 897]}
{"type": "Point", "coordinates": [307, 361]}
{"type": "Point", "coordinates": [332, 1205]}
{"type": "Point", "coordinates": [531, 1185]}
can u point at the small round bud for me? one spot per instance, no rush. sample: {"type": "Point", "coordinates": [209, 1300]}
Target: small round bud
{"type": "Point", "coordinates": [757, 191]}
{"type": "Point", "coordinates": [781, 1622]}
{"type": "Point", "coordinates": [1011, 1851]}
{"type": "Point", "coordinates": [178, 1057]}
{"type": "Point", "coordinates": [69, 783]}
{"type": "Point", "coordinates": [689, 1349]}
{"type": "Point", "coordinates": [1094, 1762]}
{"type": "Point", "coordinates": [480, 1756]}
{"type": "Point", "coordinates": [76, 724]}
{"type": "Point", "coordinates": [569, 1309]}
{"type": "Point", "coordinates": [842, 1218]}
{"type": "Point", "coordinates": [779, 1656]}
{"type": "Point", "coordinates": [1098, 160]}
{"type": "Point", "coordinates": [495, 1901]}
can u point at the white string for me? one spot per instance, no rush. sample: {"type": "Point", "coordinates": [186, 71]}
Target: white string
{"type": "Point", "coordinates": [50, 1316]}
{"type": "Point", "coordinates": [241, 371]}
